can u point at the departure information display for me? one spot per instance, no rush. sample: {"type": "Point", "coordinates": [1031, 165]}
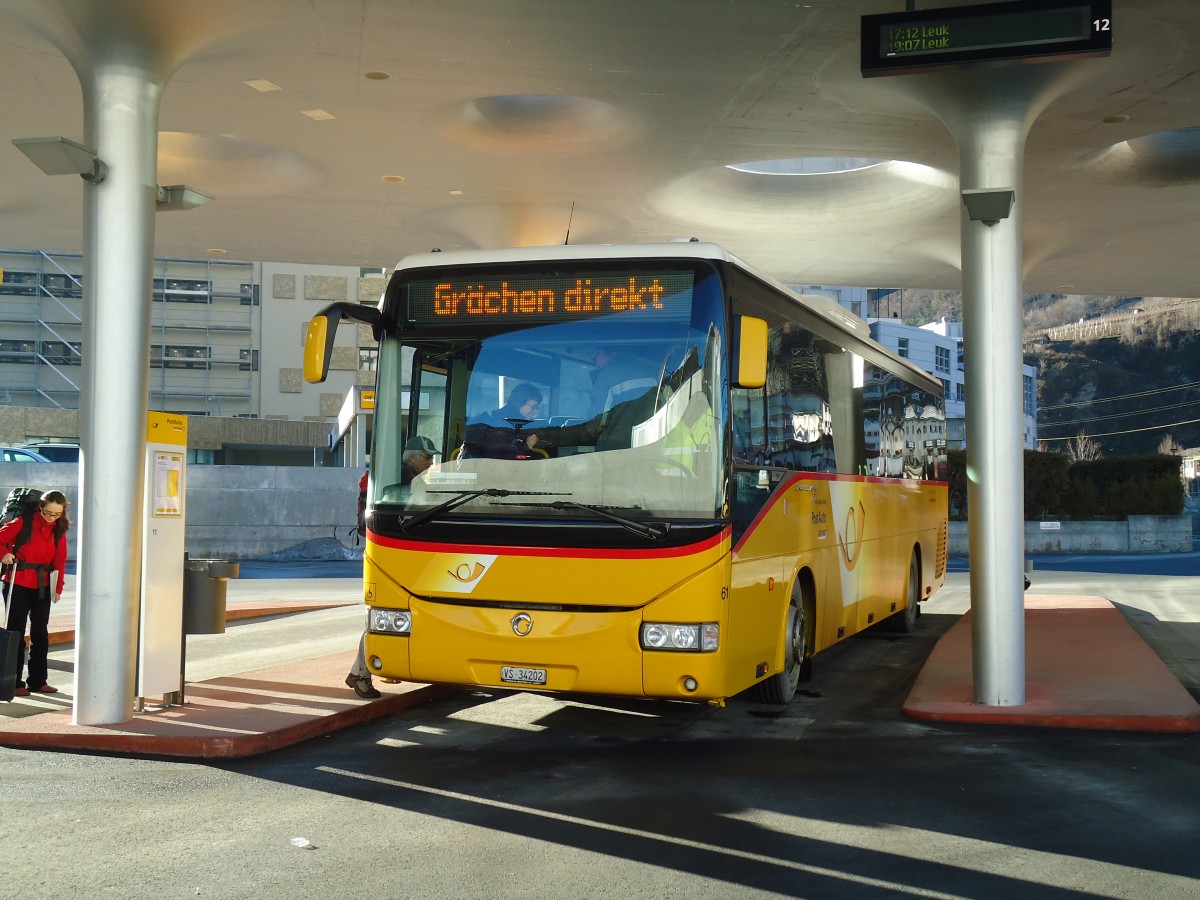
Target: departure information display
{"type": "Point", "coordinates": [895, 43]}
{"type": "Point", "coordinates": [517, 297]}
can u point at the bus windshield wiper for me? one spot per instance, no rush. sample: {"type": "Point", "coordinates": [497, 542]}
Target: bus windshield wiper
{"type": "Point", "coordinates": [415, 522]}
{"type": "Point", "coordinates": [652, 532]}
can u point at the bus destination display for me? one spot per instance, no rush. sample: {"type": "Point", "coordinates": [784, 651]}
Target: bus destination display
{"type": "Point", "coordinates": [548, 298]}
{"type": "Point", "coordinates": [1027, 29]}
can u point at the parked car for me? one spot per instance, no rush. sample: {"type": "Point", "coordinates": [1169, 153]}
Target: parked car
{"type": "Point", "coordinates": [67, 453]}
{"type": "Point", "coordinates": [20, 454]}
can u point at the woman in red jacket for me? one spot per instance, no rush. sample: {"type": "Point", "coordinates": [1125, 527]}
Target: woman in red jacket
{"type": "Point", "coordinates": [35, 557]}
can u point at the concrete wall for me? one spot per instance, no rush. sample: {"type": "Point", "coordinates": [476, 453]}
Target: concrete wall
{"type": "Point", "coordinates": [1139, 534]}
{"type": "Point", "coordinates": [233, 512]}
{"type": "Point", "coordinates": [244, 512]}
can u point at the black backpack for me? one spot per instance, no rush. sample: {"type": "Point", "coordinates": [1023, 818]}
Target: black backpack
{"type": "Point", "coordinates": [21, 503]}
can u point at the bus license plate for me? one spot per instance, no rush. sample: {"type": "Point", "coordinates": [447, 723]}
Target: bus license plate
{"type": "Point", "coordinates": [521, 675]}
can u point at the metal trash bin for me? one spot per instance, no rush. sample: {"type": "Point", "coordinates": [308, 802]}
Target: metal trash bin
{"type": "Point", "coordinates": [204, 582]}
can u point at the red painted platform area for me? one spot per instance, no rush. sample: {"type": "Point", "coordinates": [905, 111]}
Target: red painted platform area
{"type": "Point", "coordinates": [235, 716]}
{"type": "Point", "coordinates": [1085, 667]}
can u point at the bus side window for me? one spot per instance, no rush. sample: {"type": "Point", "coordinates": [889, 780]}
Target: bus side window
{"type": "Point", "coordinates": [749, 424]}
{"type": "Point", "coordinates": [752, 490]}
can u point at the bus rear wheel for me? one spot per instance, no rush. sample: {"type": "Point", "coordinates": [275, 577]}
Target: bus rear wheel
{"type": "Point", "coordinates": [905, 621]}
{"type": "Point", "coordinates": [780, 688]}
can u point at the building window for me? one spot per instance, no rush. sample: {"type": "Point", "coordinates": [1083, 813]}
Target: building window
{"type": "Point", "coordinates": [960, 392]}
{"type": "Point", "coordinates": [248, 360]}
{"type": "Point", "coordinates": [1030, 394]}
{"type": "Point", "coordinates": [248, 294]}
{"type": "Point", "coordinates": [368, 359]}
{"type": "Point", "coordinates": [941, 359]}
{"type": "Point", "coordinates": [20, 284]}
{"type": "Point", "coordinates": [16, 351]}
{"type": "Point", "coordinates": [178, 356]}
{"type": "Point", "coordinates": [61, 353]}
{"type": "Point", "coordinates": [182, 290]}
{"type": "Point", "coordinates": [902, 347]}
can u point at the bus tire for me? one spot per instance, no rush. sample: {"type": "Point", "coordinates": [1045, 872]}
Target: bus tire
{"type": "Point", "coordinates": [779, 689]}
{"type": "Point", "coordinates": [905, 621]}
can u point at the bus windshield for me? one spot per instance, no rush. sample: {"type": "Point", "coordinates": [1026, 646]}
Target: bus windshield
{"type": "Point", "coordinates": [613, 414]}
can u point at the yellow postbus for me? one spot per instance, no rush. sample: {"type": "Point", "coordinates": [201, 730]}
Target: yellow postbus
{"type": "Point", "coordinates": [641, 470]}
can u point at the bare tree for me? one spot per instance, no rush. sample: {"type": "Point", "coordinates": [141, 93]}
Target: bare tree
{"type": "Point", "coordinates": [1168, 446]}
{"type": "Point", "coordinates": [1082, 448]}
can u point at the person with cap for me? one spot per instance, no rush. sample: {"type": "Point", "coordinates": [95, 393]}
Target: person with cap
{"type": "Point", "coordinates": [417, 457]}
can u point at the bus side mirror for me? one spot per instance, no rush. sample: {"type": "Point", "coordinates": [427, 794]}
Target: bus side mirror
{"type": "Point", "coordinates": [318, 345]}
{"type": "Point", "coordinates": [751, 368]}
{"type": "Point", "coordinates": [322, 329]}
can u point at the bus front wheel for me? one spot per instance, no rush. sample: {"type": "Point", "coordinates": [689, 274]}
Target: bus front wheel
{"type": "Point", "coordinates": [780, 688]}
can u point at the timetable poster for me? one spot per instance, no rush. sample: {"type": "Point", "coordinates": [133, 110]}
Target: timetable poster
{"type": "Point", "coordinates": [168, 477]}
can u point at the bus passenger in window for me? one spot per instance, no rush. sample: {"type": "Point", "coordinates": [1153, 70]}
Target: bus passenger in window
{"type": "Point", "coordinates": [417, 457]}
{"type": "Point", "coordinates": [618, 376]}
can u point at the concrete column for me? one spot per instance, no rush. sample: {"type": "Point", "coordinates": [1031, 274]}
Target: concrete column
{"type": "Point", "coordinates": [989, 111]}
{"type": "Point", "coordinates": [990, 154]}
{"type": "Point", "coordinates": [124, 52]}
{"type": "Point", "coordinates": [121, 100]}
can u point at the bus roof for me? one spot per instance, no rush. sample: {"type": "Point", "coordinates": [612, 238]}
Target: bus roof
{"type": "Point", "coordinates": [826, 308]}
{"type": "Point", "coordinates": [683, 249]}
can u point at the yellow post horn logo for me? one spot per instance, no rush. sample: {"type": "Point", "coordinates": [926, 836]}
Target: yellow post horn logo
{"type": "Point", "coordinates": [466, 573]}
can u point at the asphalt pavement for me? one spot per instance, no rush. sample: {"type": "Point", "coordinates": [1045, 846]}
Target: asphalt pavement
{"type": "Point", "coordinates": [1134, 668]}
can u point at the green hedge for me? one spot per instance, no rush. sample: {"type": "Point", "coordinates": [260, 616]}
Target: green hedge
{"type": "Point", "coordinates": [1112, 488]}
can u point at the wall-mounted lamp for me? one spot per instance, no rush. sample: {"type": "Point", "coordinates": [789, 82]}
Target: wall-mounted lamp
{"type": "Point", "coordinates": [988, 205]}
{"type": "Point", "coordinates": [59, 156]}
{"type": "Point", "coordinates": [179, 196]}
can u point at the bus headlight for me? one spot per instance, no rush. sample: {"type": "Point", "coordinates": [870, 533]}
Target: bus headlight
{"type": "Point", "coordinates": [703, 637]}
{"type": "Point", "coordinates": [389, 621]}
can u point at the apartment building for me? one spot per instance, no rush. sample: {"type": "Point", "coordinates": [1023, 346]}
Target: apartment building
{"type": "Point", "coordinates": [936, 347]}
{"type": "Point", "coordinates": [226, 344]}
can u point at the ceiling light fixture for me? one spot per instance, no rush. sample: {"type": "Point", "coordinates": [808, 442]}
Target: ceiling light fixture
{"type": "Point", "coordinates": [318, 115]}
{"type": "Point", "coordinates": [1115, 119]}
{"type": "Point", "coordinates": [262, 85]}
{"type": "Point", "coordinates": [376, 75]}
{"type": "Point", "coordinates": [179, 196]}
{"type": "Point", "coordinates": [393, 179]}
{"type": "Point", "coordinates": [988, 205]}
{"type": "Point", "coordinates": [217, 250]}
{"type": "Point", "coordinates": [60, 156]}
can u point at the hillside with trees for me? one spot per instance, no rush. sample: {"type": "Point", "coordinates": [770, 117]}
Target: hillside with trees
{"type": "Point", "coordinates": [1124, 372]}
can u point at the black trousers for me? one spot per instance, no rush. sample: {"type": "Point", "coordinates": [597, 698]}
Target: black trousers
{"type": "Point", "coordinates": [26, 605]}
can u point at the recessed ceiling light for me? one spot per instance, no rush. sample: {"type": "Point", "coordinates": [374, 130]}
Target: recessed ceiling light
{"type": "Point", "coordinates": [456, 193]}
{"type": "Point", "coordinates": [376, 75]}
{"type": "Point", "coordinates": [318, 115]}
{"type": "Point", "coordinates": [261, 84]}
{"type": "Point", "coordinates": [1115, 120]}
{"type": "Point", "coordinates": [216, 250]}
{"type": "Point", "coordinates": [1066, 287]}
{"type": "Point", "coordinates": [394, 179]}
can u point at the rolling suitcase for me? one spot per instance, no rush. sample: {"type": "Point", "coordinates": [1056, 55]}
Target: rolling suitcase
{"type": "Point", "coordinates": [10, 643]}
